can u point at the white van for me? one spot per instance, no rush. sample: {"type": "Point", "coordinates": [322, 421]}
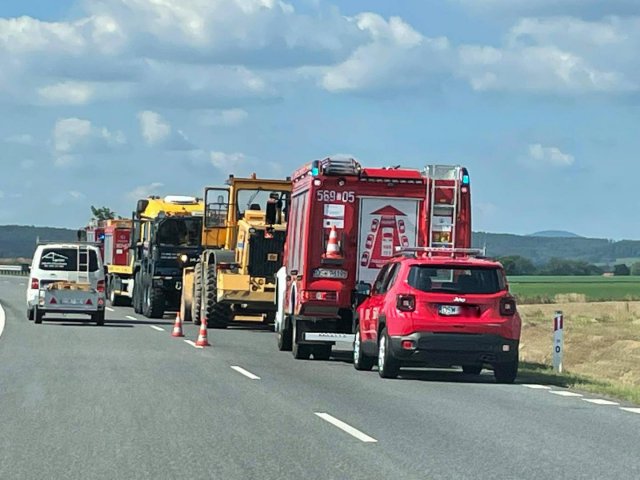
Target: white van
{"type": "Point", "coordinates": [66, 278]}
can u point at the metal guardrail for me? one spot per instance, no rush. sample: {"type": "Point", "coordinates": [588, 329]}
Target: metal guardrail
{"type": "Point", "coordinates": [18, 270]}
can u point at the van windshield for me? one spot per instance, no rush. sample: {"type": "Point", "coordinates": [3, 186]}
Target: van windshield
{"type": "Point", "coordinates": [66, 259]}
{"type": "Point", "coordinates": [449, 279]}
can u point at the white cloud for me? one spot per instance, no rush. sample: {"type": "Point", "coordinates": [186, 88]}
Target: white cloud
{"type": "Point", "coordinates": [157, 132]}
{"type": "Point", "coordinates": [76, 194]}
{"type": "Point", "coordinates": [143, 191]}
{"type": "Point", "coordinates": [227, 161]}
{"type": "Point", "coordinates": [553, 7]}
{"type": "Point", "coordinates": [223, 118]}
{"type": "Point", "coordinates": [67, 93]}
{"type": "Point", "coordinates": [540, 156]}
{"type": "Point", "coordinates": [20, 139]}
{"type": "Point", "coordinates": [74, 136]}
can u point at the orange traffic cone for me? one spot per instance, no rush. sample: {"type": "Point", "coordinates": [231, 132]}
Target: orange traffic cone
{"type": "Point", "coordinates": [202, 336]}
{"type": "Point", "coordinates": [177, 327]}
{"type": "Point", "coordinates": [333, 250]}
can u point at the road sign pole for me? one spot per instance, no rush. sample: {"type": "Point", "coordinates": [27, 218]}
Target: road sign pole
{"type": "Point", "coordinates": [558, 341]}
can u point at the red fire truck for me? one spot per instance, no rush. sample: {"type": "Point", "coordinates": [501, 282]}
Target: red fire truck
{"type": "Point", "coordinates": [345, 223]}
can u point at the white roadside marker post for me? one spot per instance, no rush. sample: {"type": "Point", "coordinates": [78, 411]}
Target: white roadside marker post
{"type": "Point", "coordinates": [558, 341]}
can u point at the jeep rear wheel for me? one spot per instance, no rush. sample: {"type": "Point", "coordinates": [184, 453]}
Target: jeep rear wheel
{"type": "Point", "coordinates": [388, 367]}
{"type": "Point", "coordinates": [506, 372]}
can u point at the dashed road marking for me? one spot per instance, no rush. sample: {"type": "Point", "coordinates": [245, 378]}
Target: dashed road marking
{"type": "Point", "coordinates": [129, 317]}
{"type": "Point", "coordinates": [109, 309]}
{"type": "Point", "coordinates": [536, 387]}
{"type": "Point", "coordinates": [157, 328]}
{"type": "Point", "coordinates": [565, 393]}
{"type": "Point", "coordinates": [632, 410]}
{"type": "Point", "coordinates": [244, 372]}
{"type": "Point", "coordinates": [192, 343]}
{"type": "Point", "coordinates": [346, 428]}
{"type": "Point", "coordinates": [600, 401]}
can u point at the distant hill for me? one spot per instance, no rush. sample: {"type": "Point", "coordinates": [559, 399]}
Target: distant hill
{"type": "Point", "coordinates": [20, 241]}
{"type": "Point", "coordinates": [555, 234]}
{"type": "Point", "coordinates": [541, 249]}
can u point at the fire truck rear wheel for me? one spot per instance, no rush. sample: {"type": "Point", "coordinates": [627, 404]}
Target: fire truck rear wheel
{"type": "Point", "coordinates": [322, 352]}
{"type": "Point", "coordinates": [285, 337]}
{"type": "Point", "coordinates": [300, 351]}
{"type": "Point", "coordinates": [137, 293]}
{"type": "Point", "coordinates": [218, 315]}
{"type": "Point", "coordinates": [196, 302]}
{"type": "Point", "coordinates": [472, 369]}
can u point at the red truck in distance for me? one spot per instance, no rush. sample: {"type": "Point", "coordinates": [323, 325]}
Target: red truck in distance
{"type": "Point", "coordinates": [373, 211]}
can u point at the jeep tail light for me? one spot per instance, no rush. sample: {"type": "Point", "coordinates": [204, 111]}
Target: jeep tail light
{"type": "Point", "coordinates": [100, 286]}
{"type": "Point", "coordinates": [406, 303]}
{"type": "Point", "coordinates": [507, 306]}
{"type": "Point", "coordinates": [35, 284]}
{"type": "Point", "coordinates": [408, 345]}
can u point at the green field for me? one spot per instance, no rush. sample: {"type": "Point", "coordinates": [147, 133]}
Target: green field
{"type": "Point", "coordinates": [550, 289]}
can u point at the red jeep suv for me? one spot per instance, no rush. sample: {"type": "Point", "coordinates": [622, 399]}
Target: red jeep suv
{"type": "Point", "coordinates": [441, 310]}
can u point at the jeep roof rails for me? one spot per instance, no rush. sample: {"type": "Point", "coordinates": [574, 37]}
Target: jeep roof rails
{"type": "Point", "coordinates": [431, 251]}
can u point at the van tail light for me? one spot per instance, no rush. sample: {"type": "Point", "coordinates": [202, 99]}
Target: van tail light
{"type": "Point", "coordinates": [35, 284]}
{"type": "Point", "coordinates": [406, 303]}
{"type": "Point", "coordinates": [100, 286]}
{"type": "Point", "coordinates": [507, 306]}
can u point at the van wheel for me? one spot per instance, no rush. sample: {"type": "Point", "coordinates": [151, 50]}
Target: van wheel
{"type": "Point", "coordinates": [285, 336]}
{"type": "Point", "coordinates": [38, 315]}
{"type": "Point", "coordinates": [506, 372]}
{"type": "Point", "coordinates": [472, 369]}
{"type": "Point", "coordinates": [321, 352]}
{"type": "Point", "coordinates": [98, 317]}
{"type": "Point", "coordinates": [388, 367]}
{"type": "Point", "coordinates": [29, 313]}
{"type": "Point", "coordinates": [360, 360]}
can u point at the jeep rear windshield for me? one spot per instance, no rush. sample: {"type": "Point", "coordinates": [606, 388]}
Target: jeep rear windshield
{"type": "Point", "coordinates": [464, 280]}
{"type": "Point", "coordinates": [66, 259]}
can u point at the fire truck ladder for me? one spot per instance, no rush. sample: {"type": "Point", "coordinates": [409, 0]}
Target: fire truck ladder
{"type": "Point", "coordinates": [83, 264]}
{"type": "Point", "coordinates": [443, 216]}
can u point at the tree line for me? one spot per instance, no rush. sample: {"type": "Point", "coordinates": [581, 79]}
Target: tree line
{"type": "Point", "coordinates": [519, 265]}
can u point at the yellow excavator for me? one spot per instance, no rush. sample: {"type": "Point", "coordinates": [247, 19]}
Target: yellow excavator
{"type": "Point", "coordinates": [243, 236]}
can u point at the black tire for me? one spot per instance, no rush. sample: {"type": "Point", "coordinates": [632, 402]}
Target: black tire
{"type": "Point", "coordinates": [153, 302]}
{"type": "Point", "coordinates": [98, 317]}
{"type": "Point", "coordinates": [137, 293]}
{"type": "Point", "coordinates": [285, 336]}
{"type": "Point", "coordinates": [506, 372]}
{"type": "Point", "coordinates": [38, 316]}
{"type": "Point", "coordinates": [472, 369]}
{"type": "Point", "coordinates": [321, 352]}
{"type": "Point", "coordinates": [300, 351]}
{"type": "Point", "coordinates": [30, 314]}
{"type": "Point", "coordinates": [218, 315]}
{"type": "Point", "coordinates": [196, 301]}
{"type": "Point", "coordinates": [115, 300]}
{"type": "Point", "coordinates": [360, 360]}
{"type": "Point", "coordinates": [388, 367]}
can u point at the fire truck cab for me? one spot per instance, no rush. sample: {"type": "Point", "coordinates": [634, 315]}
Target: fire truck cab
{"type": "Point", "coordinates": [345, 223]}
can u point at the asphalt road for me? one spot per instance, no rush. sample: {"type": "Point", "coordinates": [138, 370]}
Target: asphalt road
{"type": "Point", "coordinates": [128, 401]}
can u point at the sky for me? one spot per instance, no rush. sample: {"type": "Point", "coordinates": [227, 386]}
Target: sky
{"type": "Point", "coordinates": [103, 102]}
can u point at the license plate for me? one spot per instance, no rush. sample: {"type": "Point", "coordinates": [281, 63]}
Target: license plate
{"type": "Point", "coordinates": [449, 310]}
{"type": "Point", "coordinates": [332, 274]}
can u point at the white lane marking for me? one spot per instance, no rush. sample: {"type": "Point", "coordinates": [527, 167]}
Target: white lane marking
{"type": "Point", "coordinates": [564, 393]}
{"type": "Point", "coordinates": [157, 328]}
{"type": "Point", "coordinates": [346, 428]}
{"type": "Point", "coordinates": [600, 401]}
{"type": "Point", "coordinates": [632, 410]}
{"type": "Point", "coordinates": [244, 372]}
{"type": "Point", "coordinates": [129, 317]}
{"type": "Point", "coordinates": [536, 387]}
{"type": "Point", "coordinates": [192, 343]}
{"type": "Point", "coordinates": [2, 320]}
{"type": "Point", "coordinates": [109, 309]}
{"type": "Point", "coordinates": [22, 284]}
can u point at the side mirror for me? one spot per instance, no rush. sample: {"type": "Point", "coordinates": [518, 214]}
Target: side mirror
{"type": "Point", "coordinates": [363, 289]}
{"type": "Point", "coordinates": [221, 200]}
